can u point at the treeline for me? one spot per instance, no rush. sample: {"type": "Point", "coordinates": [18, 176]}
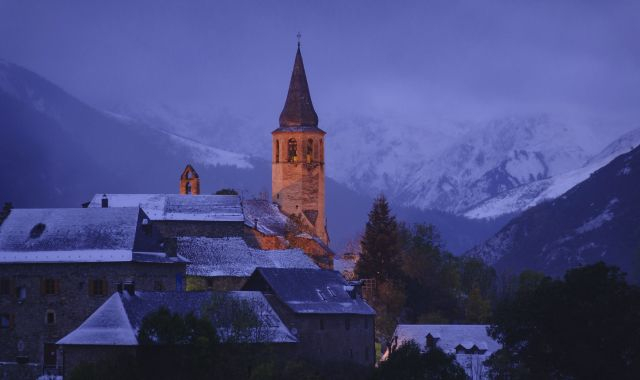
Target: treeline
{"type": "Point", "coordinates": [417, 280]}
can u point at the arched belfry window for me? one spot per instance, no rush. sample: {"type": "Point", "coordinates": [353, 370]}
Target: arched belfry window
{"type": "Point", "coordinates": [309, 150]}
{"type": "Point", "coordinates": [292, 155]}
{"type": "Point", "coordinates": [315, 151]}
{"type": "Point", "coordinates": [277, 150]}
{"type": "Point", "coordinates": [188, 188]}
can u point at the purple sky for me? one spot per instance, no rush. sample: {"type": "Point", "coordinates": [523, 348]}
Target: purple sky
{"type": "Point", "coordinates": [408, 59]}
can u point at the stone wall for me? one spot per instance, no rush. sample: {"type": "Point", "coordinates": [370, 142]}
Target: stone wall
{"type": "Point", "coordinates": [169, 229]}
{"type": "Point", "coordinates": [220, 283]}
{"type": "Point", "coordinates": [320, 255]}
{"type": "Point", "coordinates": [76, 355]}
{"type": "Point", "coordinates": [73, 302]}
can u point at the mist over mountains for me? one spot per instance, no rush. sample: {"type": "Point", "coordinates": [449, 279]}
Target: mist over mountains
{"type": "Point", "coordinates": [56, 151]}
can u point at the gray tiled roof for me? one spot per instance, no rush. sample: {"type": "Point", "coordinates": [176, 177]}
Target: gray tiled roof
{"type": "Point", "coordinates": [69, 229]}
{"type": "Point", "coordinates": [74, 235]}
{"type": "Point", "coordinates": [231, 256]}
{"type": "Point", "coordinates": [176, 207]}
{"type": "Point", "coordinates": [312, 291]}
{"type": "Point", "coordinates": [116, 322]}
{"type": "Point", "coordinates": [266, 215]}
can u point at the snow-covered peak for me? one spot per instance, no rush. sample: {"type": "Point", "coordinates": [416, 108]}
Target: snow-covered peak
{"type": "Point", "coordinates": [531, 194]}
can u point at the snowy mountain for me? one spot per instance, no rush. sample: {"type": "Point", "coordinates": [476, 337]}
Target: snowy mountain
{"type": "Point", "coordinates": [63, 150]}
{"type": "Point", "coordinates": [476, 170]}
{"type": "Point", "coordinates": [453, 173]}
{"type": "Point", "coordinates": [533, 193]}
{"type": "Point", "coordinates": [56, 151]}
{"type": "Point", "coordinates": [598, 219]}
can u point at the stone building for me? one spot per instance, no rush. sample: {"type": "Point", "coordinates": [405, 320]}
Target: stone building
{"type": "Point", "coordinates": [268, 228]}
{"type": "Point", "coordinates": [225, 264]}
{"type": "Point", "coordinates": [174, 215]}
{"type": "Point", "coordinates": [58, 265]}
{"type": "Point", "coordinates": [470, 344]}
{"type": "Point", "coordinates": [329, 318]}
{"type": "Point", "coordinates": [112, 329]}
{"type": "Point", "coordinates": [297, 170]}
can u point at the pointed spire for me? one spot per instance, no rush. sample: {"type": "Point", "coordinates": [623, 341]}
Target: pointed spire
{"type": "Point", "coordinates": [298, 109]}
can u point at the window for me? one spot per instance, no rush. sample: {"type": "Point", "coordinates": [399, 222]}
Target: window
{"type": "Point", "coordinates": [309, 150]}
{"type": "Point", "coordinates": [50, 286]}
{"type": "Point", "coordinates": [50, 317]}
{"type": "Point", "coordinates": [179, 282]}
{"type": "Point", "coordinates": [277, 150]}
{"type": "Point", "coordinates": [21, 293]}
{"type": "Point", "coordinates": [5, 286]}
{"type": "Point", "coordinates": [6, 321]}
{"type": "Point", "coordinates": [321, 324]}
{"type": "Point", "coordinates": [292, 154]}
{"type": "Point", "coordinates": [97, 287]}
{"type": "Point", "coordinates": [146, 226]}
{"type": "Point", "coordinates": [158, 286]}
{"type": "Point", "coordinates": [37, 230]}
{"type": "Point", "coordinates": [188, 188]}
{"type": "Point", "coordinates": [347, 324]}
{"type": "Point", "coordinates": [209, 283]}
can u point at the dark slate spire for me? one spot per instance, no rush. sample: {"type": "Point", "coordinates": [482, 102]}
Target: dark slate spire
{"type": "Point", "coordinates": [298, 110]}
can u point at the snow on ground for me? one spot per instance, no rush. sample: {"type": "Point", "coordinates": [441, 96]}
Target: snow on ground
{"type": "Point", "coordinates": [597, 221]}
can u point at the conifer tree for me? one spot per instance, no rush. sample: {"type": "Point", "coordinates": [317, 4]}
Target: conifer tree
{"type": "Point", "coordinates": [380, 257]}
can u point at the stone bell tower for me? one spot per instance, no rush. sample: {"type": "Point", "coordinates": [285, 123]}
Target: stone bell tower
{"type": "Point", "coordinates": [297, 169]}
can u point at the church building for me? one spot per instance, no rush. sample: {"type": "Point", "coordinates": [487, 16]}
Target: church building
{"type": "Point", "coordinates": [297, 170]}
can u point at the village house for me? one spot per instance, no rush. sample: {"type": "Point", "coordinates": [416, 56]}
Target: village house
{"type": "Point", "coordinates": [226, 263]}
{"type": "Point", "coordinates": [58, 265]}
{"type": "Point", "coordinates": [470, 344]}
{"type": "Point", "coordinates": [112, 330]}
{"type": "Point", "coordinates": [327, 315]}
{"type": "Point", "coordinates": [174, 215]}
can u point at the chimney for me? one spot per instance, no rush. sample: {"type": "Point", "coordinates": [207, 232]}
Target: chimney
{"type": "Point", "coordinates": [105, 201]}
{"type": "Point", "coordinates": [354, 288]}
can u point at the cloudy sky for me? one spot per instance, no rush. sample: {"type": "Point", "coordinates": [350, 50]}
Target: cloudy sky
{"type": "Point", "coordinates": [410, 60]}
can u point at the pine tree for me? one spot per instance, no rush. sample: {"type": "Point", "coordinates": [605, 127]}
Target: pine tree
{"type": "Point", "coordinates": [380, 257]}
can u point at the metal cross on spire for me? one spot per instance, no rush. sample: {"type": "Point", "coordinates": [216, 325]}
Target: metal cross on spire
{"type": "Point", "coordinates": [298, 35]}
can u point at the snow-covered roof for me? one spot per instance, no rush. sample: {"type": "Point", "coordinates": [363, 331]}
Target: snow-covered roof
{"type": "Point", "coordinates": [448, 337]}
{"type": "Point", "coordinates": [72, 235]}
{"type": "Point", "coordinates": [265, 216]}
{"type": "Point", "coordinates": [312, 291]}
{"type": "Point", "coordinates": [108, 325]}
{"type": "Point", "coordinates": [230, 256]}
{"type": "Point", "coordinates": [117, 321]}
{"type": "Point", "coordinates": [177, 207]}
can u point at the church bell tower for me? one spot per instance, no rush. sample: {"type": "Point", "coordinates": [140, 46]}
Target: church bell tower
{"type": "Point", "coordinates": [297, 169]}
